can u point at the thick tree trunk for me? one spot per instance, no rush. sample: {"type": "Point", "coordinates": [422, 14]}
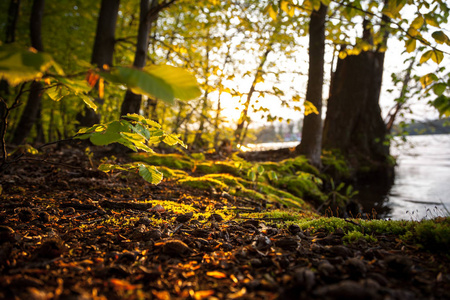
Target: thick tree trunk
{"type": "Point", "coordinates": [13, 16]}
{"type": "Point", "coordinates": [311, 144]}
{"type": "Point", "coordinates": [30, 112]}
{"type": "Point", "coordinates": [132, 101]}
{"type": "Point", "coordinates": [102, 53]}
{"type": "Point", "coordinates": [353, 123]}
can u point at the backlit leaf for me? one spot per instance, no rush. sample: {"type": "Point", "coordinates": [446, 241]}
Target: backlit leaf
{"type": "Point", "coordinates": [141, 82]}
{"type": "Point", "coordinates": [431, 20]}
{"type": "Point", "coordinates": [426, 56]}
{"type": "Point", "coordinates": [150, 174]}
{"type": "Point", "coordinates": [440, 37]}
{"type": "Point", "coordinates": [437, 56]}
{"type": "Point", "coordinates": [417, 22]}
{"type": "Point", "coordinates": [18, 65]}
{"type": "Point", "coordinates": [439, 88]}
{"type": "Point", "coordinates": [310, 108]}
{"type": "Point", "coordinates": [442, 104]}
{"type": "Point", "coordinates": [88, 100]}
{"type": "Point", "coordinates": [272, 12]}
{"type": "Point", "coordinates": [183, 84]}
{"type": "Point", "coordinates": [410, 45]}
{"type": "Point", "coordinates": [216, 274]}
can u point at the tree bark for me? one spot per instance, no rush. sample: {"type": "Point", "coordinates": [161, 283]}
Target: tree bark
{"type": "Point", "coordinates": [30, 112]}
{"type": "Point", "coordinates": [13, 16]}
{"type": "Point", "coordinates": [353, 123]}
{"type": "Point", "coordinates": [311, 144]}
{"type": "Point", "coordinates": [132, 101]}
{"type": "Point", "coordinates": [103, 51]}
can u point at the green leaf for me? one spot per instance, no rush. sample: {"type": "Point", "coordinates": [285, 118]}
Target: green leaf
{"type": "Point", "coordinates": [172, 140]}
{"type": "Point", "coordinates": [431, 20]}
{"type": "Point", "coordinates": [58, 92]}
{"type": "Point", "coordinates": [183, 84]}
{"type": "Point", "coordinates": [442, 104]}
{"type": "Point", "coordinates": [18, 65]}
{"type": "Point", "coordinates": [150, 174]}
{"type": "Point", "coordinates": [260, 169]}
{"type": "Point", "coordinates": [439, 88]}
{"type": "Point", "coordinates": [110, 135]}
{"type": "Point", "coordinates": [251, 174]}
{"type": "Point", "coordinates": [88, 100]}
{"type": "Point", "coordinates": [273, 175]}
{"type": "Point", "coordinates": [428, 79]}
{"type": "Point", "coordinates": [142, 119]}
{"type": "Point", "coordinates": [440, 37]}
{"type": "Point", "coordinates": [141, 82]}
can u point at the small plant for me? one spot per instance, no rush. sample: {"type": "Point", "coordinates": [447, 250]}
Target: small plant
{"type": "Point", "coordinates": [136, 133]}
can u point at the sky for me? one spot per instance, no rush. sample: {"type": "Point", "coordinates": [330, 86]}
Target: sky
{"type": "Point", "coordinates": [394, 63]}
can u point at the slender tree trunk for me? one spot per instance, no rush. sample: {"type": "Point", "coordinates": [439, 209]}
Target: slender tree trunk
{"type": "Point", "coordinates": [103, 51]}
{"type": "Point", "coordinates": [132, 101]}
{"type": "Point", "coordinates": [10, 37]}
{"type": "Point", "coordinates": [198, 141]}
{"type": "Point", "coordinates": [311, 144]}
{"type": "Point", "coordinates": [30, 112]}
{"type": "Point", "coordinates": [244, 114]}
{"type": "Point", "coordinates": [401, 99]}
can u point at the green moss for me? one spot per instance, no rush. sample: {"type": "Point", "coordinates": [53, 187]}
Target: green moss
{"type": "Point", "coordinates": [169, 173]}
{"type": "Point", "coordinates": [303, 185]}
{"type": "Point", "coordinates": [204, 183]}
{"type": "Point", "coordinates": [173, 160]}
{"type": "Point", "coordinates": [229, 180]}
{"type": "Point", "coordinates": [354, 236]}
{"type": "Point", "coordinates": [335, 164]}
{"type": "Point", "coordinates": [210, 167]}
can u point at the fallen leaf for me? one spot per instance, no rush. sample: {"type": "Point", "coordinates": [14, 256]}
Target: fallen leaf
{"type": "Point", "coordinates": [216, 274]}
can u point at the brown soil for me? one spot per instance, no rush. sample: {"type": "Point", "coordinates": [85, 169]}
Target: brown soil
{"type": "Point", "coordinates": [57, 242]}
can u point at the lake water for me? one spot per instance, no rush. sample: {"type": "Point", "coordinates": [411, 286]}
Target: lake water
{"type": "Point", "coordinates": [421, 187]}
{"type": "Point", "coordinates": [422, 178]}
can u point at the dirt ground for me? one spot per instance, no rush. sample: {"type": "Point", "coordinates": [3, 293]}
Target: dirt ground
{"type": "Point", "coordinates": [68, 231]}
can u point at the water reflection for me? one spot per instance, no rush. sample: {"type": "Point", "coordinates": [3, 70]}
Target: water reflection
{"type": "Point", "coordinates": [422, 181]}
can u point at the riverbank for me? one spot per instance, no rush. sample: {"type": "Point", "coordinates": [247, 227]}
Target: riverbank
{"type": "Point", "coordinates": [69, 231]}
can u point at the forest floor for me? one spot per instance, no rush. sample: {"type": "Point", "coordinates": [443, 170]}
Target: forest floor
{"type": "Point", "coordinates": [68, 231]}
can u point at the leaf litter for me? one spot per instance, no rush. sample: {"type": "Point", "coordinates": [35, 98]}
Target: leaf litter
{"type": "Point", "coordinates": [79, 234]}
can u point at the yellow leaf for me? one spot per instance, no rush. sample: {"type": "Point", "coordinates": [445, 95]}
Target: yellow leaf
{"type": "Point", "coordinates": [203, 294]}
{"type": "Point", "coordinates": [310, 108]}
{"type": "Point", "coordinates": [272, 12]}
{"type": "Point", "coordinates": [437, 56]}
{"type": "Point", "coordinates": [426, 56]}
{"type": "Point", "coordinates": [342, 54]}
{"type": "Point", "coordinates": [216, 274]}
{"type": "Point", "coordinates": [431, 20]}
{"type": "Point", "coordinates": [161, 295]}
{"type": "Point", "coordinates": [410, 45]}
{"type": "Point", "coordinates": [417, 22]}
{"type": "Point", "coordinates": [101, 88]}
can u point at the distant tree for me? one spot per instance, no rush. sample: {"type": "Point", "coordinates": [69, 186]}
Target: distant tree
{"type": "Point", "coordinates": [311, 143]}
{"type": "Point", "coordinates": [31, 110]}
{"type": "Point", "coordinates": [148, 14]}
{"type": "Point", "coordinates": [103, 51]}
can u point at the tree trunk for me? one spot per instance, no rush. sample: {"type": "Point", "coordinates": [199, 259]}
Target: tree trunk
{"type": "Point", "coordinates": [311, 144]}
{"type": "Point", "coordinates": [102, 53]}
{"type": "Point", "coordinates": [353, 123]}
{"type": "Point", "coordinates": [244, 114]}
{"type": "Point", "coordinates": [148, 14]}
{"type": "Point", "coordinates": [30, 112]}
